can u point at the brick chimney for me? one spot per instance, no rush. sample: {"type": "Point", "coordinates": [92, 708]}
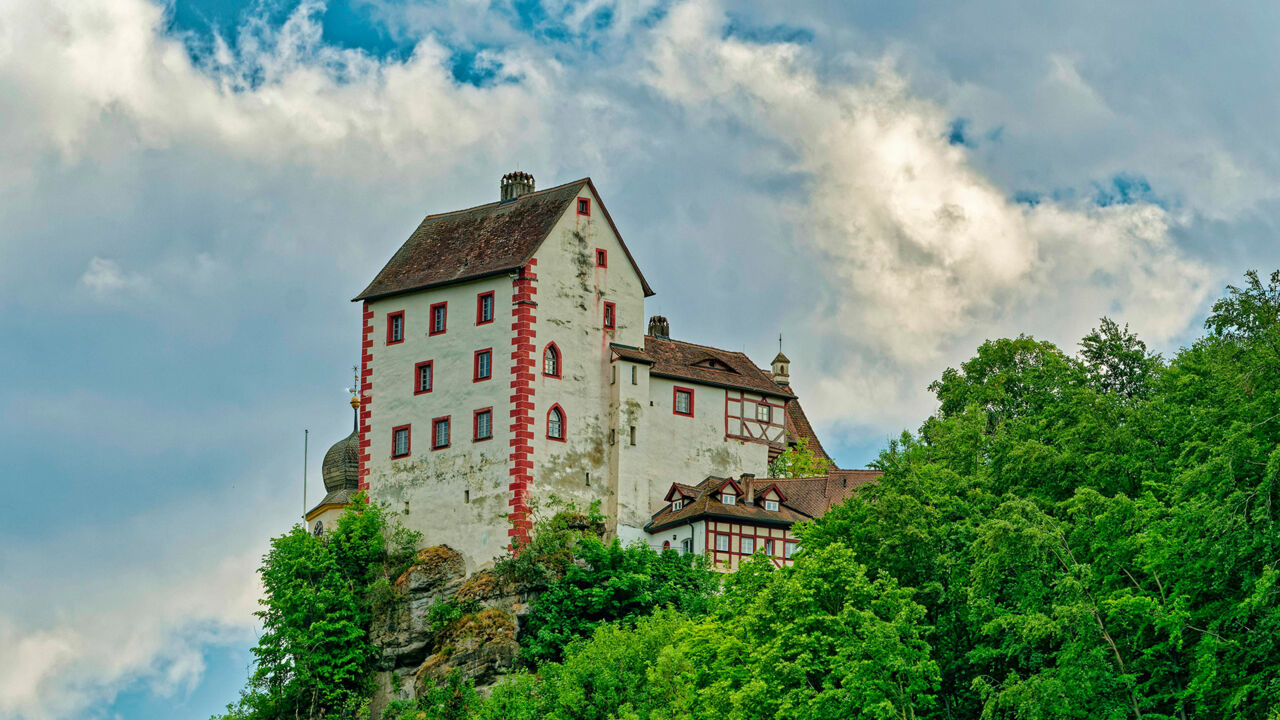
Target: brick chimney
{"type": "Point", "coordinates": [748, 482]}
{"type": "Point", "coordinates": [659, 327]}
{"type": "Point", "coordinates": [515, 184]}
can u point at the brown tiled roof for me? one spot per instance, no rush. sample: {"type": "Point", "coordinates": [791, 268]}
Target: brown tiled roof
{"type": "Point", "coordinates": [686, 361]}
{"type": "Point", "coordinates": [806, 498]}
{"type": "Point", "coordinates": [626, 352]}
{"type": "Point", "coordinates": [798, 427]}
{"type": "Point", "coordinates": [480, 241]}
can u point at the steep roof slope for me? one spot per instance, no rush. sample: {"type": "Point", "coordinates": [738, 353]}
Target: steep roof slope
{"type": "Point", "coordinates": [701, 364]}
{"type": "Point", "coordinates": [486, 240]}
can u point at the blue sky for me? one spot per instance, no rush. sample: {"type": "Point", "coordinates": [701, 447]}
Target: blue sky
{"type": "Point", "coordinates": [192, 193]}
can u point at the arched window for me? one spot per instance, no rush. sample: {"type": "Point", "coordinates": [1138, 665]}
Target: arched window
{"type": "Point", "coordinates": [551, 361]}
{"type": "Point", "coordinates": [555, 423]}
{"type": "Point", "coordinates": [666, 544]}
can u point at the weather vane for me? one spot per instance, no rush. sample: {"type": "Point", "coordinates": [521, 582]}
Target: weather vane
{"type": "Point", "coordinates": [355, 386]}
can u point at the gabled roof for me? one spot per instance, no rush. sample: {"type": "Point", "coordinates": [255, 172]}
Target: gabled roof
{"type": "Point", "coordinates": [683, 490]}
{"type": "Point", "coordinates": [478, 242]}
{"type": "Point", "coordinates": [686, 361]}
{"type": "Point", "coordinates": [802, 499]}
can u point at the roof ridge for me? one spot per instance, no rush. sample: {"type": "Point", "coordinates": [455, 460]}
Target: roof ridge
{"type": "Point", "coordinates": [505, 202]}
{"type": "Point", "coordinates": [704, 347]}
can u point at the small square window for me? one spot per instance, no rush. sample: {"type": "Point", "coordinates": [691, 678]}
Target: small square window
{"type": "Point", "coordinates": [748, 545]}
{"type": "Point", "coordinates": [400, 441]}
{"type": "Point", "coordinates": [722, 543]}
{"type": "Point", "coordinates": [610, 316]}
{"type": "Point", "coordinates": [677, 504]}
{"type": "Point", "coordinates": [395, 327]}
{"type": "Point", "coordinates": [484, 424]}
{"type": "Point", "coordinates": [584, 206]}
{"type": "Point", "coordinates": [602, 258]}
{"type": "Point", "coordinates": [483, 365]}
{"type": "Point", "coordinates": [440, 433]}
{"type": "Point", "coordinates": [484, 308]}
{"type": "Point", "coordinates": [764, 413]}
{"type": "Point", "coordinates": [728, 498]}
{"type": "Point", "coordinates": [771, 505]}
{"type": "Point", "coordinates": [683, 404]}
{"type": "Point", "coordinates": [422, 377]}
{"type": "Point", "coordinates": [439, 318]}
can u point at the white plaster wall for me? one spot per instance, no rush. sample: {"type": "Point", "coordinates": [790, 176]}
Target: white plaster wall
{"type": "Point", "coordinates": [571, 296]}
{"type": "Point", "coordinates": [629, 470]}
{"type": "Point", "coordinates": [688, 449]}
{"type": "Point", "coordinates": [435, 484]}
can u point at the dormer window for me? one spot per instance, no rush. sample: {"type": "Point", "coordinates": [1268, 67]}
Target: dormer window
{"type": "Point", "coordinates": [677, 504]}
{"type": "Point", "coordinates": [771, 505]}
{"type": "Point", "coordinates": [728, 499]}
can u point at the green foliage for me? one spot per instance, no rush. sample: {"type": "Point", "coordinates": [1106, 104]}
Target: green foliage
{"type": "Point", "coordinates": [610, 582]}
{"type": "Point", "coordinates": [799, 460]}
{"type": "Point", "coordinates": [454, 699]}
{"type": "Point", "coordinates": [549, 552]}
{"type": "Point", "coordinates": [313, 658]}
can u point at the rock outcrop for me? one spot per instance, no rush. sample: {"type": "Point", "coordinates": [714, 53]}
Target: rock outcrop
{"type": "Point", "coordinates": [472, 630]}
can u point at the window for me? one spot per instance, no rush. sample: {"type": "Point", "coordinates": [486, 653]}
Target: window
{"type": "Point", "coordinates": [551, 361]}
{"type": "Point", "coordinates": [400, 441]}
{"type": "Point", "coordinates": [768, 548]}
{"type": "Point", "coordinates": [610, 316]}
{"type": "Point", "coordinates": [764, 413]}
{"type": "Point", "coordinates": [633, 434]}
{"type": "Point", "coordinates": [633, 374]}
{"type": "Point", "coordinates": [686, 545]}
{"type": "Point", "coordinates": [484, 308]}
{"type": "Point", "coordinates": [602, 258]}
{"type": "Point", "coordinates": [771, 505]}
{"type": "Point", "coordinates": [748, 545]}
{"type": "Point", "coordinates": [790, 549]}
{"type": "Point", "coordinates": [482, 424]}
{"type": "Point", "coordinates": [722, 543]}
{"type": "Point", "coordinates": [439, 316]}
{"type": "Point", "coordinates": [728, 498]}
{"type": "Point", "coordinates": [613, 375]}
{"type": "Point", "coordinates": [683, 403]}
{"type": "Point", "coordinates": [555, 423]}
{"type": "Point", "coordinates": [483, 365]}
{"type": "Point", "coordinates": [584, 206]}
{"type": "Point", "coordinates": [395, 327]}
{"type": "Point", "coordinates": [440, 433]}
{"type": "Point", "coordinates": [422, 373]}
{"type": "Point", "coordinates": [677, 504]}
{"type": "Point", "coordinates": [666, 544]}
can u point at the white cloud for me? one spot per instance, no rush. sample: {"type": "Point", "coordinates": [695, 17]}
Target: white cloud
{"type": "Point", "coordinates": [912, 252]}
{"type": "Point", "coordinates": [922, 253]}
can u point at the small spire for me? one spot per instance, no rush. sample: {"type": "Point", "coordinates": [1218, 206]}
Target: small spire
{"type": "Point", "coordinates": [355, 395]}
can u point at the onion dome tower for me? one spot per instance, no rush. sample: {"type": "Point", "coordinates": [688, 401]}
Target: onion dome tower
{"type": "Point", "coordinates": [341, 473]}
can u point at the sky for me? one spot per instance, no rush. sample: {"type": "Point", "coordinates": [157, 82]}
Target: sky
{"type": "Point", "coordinates": [192, 192]}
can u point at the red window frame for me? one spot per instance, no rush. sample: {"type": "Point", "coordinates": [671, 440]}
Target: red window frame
{"type": "Point", "coordinates": [675, 394]}
{"type": "Point", "coordinates": [584, 206]}
{"type": "Point", "coordinates": [417, 377]}
{"type": "Point", "coordinates": [390, 321]}
{"type": "Point", "coordinates": [475, 425]}
{"type": "Point", "coordinates": [559, 361]}
{"type": "Point", "coordinates": [408, 440]}
{"type": "Point", "coordinates": [493, 307]}
{"type": "Point", "coordinates": [475, 365]}
{"type": "Point", "coordinates": [448, 437]}
{"type": "Point", "coordinates": [431, 318]}
{"type": "Point", "coordinates": [610, 316]}
{"type": "Point", "coordinates": [564, 423]}
{"type": "Point", "coordinates": [602, 258]}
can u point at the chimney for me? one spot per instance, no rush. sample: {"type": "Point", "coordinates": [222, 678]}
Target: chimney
{"type": "Point", "coordinates": [748, 482]}
{"type": "Point", "coordinates": [515, 184]}
{"type": "Point", "coordinates": [782, 370]}
{"type": "Point", "coordinates": [659, 327]}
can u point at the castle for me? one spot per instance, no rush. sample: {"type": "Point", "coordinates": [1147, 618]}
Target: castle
{"type": "Point", "coordinates": [506, 362]}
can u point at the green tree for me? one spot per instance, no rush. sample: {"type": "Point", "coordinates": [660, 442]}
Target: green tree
{"type": "Point", "coordinates": [799, 460]}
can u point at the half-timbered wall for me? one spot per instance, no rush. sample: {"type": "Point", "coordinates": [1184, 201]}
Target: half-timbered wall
{"type": "Point", "coordinates": [754, 417]}
{"type": "Point", "coordinates": [784, 543]}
